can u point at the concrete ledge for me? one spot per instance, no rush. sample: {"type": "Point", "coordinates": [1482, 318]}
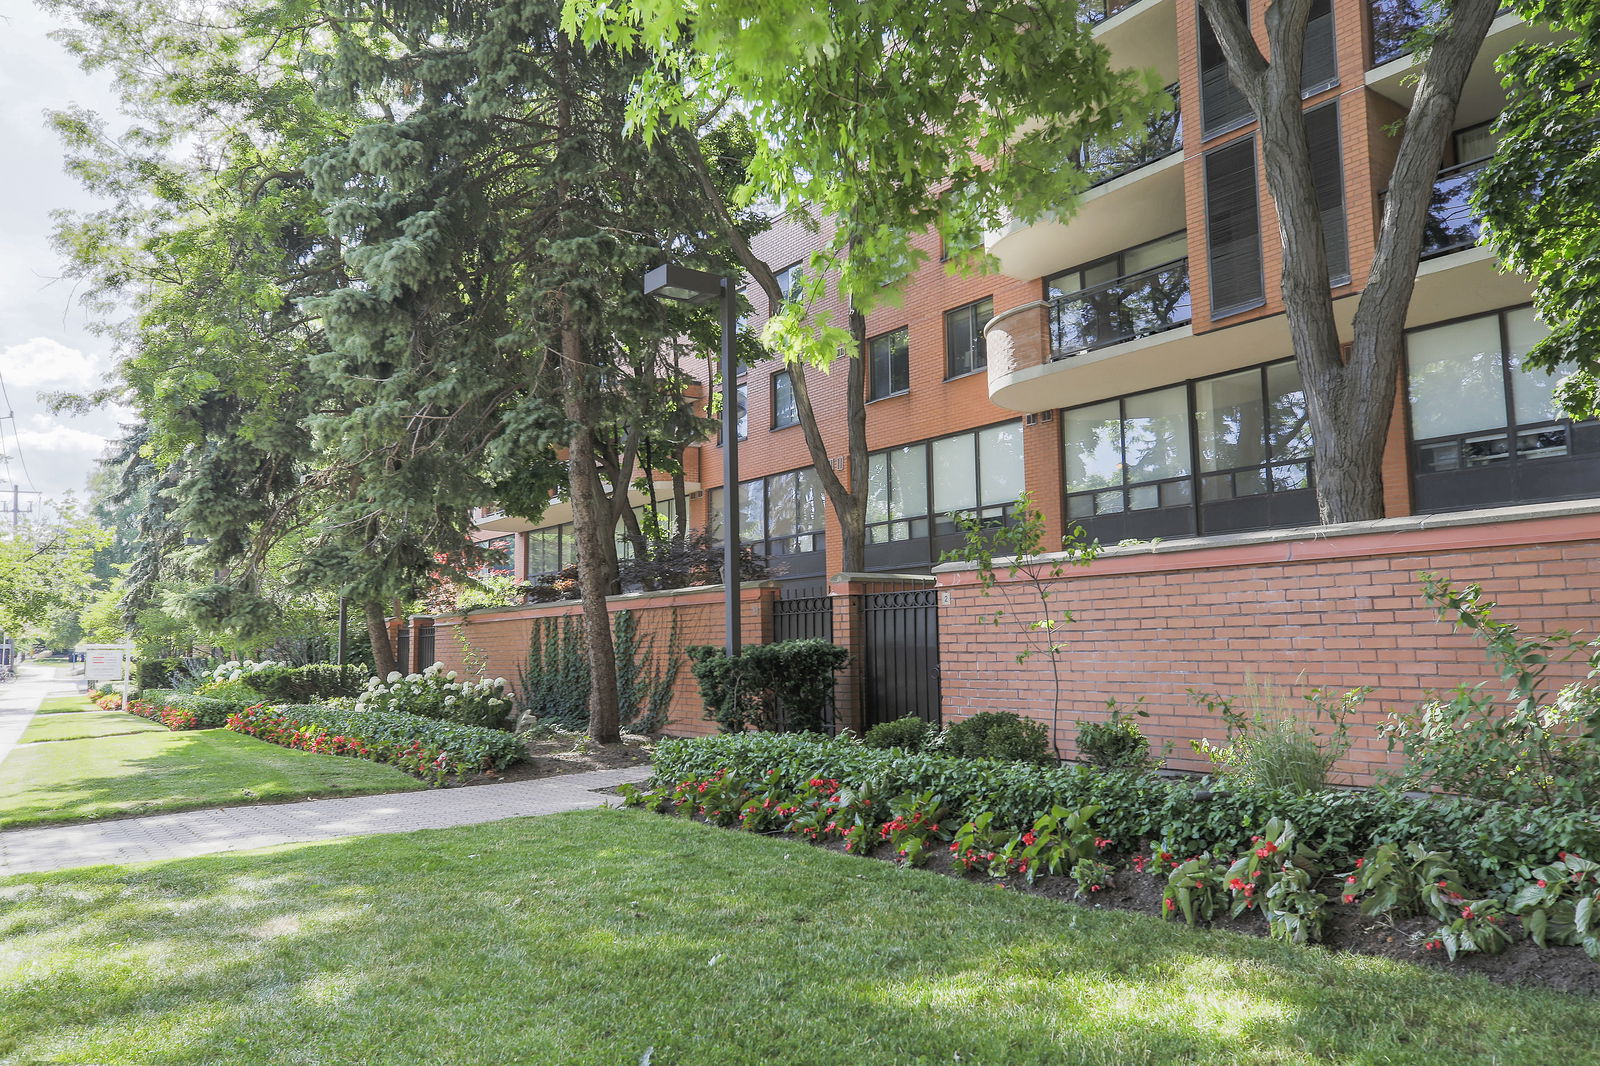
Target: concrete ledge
{"type": "Point", "coordinates": [1524, 523]}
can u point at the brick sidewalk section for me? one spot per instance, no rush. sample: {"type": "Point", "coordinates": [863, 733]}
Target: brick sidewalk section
{"type": "Point", "coordinates": [171, 836]}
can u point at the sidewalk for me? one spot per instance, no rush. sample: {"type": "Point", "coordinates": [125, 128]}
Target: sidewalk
{"type": "Point", "coordinates": [172, 836]}
{"type": "Point", "coordinates": [20, 699]}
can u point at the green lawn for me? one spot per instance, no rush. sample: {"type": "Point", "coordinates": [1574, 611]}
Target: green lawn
{"type": "Point", "coordinates": [66, 705]}
{"type": "Point", "coordinates": [151, 770]}
{"type": "Point", "coordinates": [74, 725]}
{"type": "Point", "coordinates": [597, 936]}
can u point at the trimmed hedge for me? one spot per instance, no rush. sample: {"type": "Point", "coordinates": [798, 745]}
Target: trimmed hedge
{"type": "Point", "coordinates": [1491, 839]}
{"type": "Point", "coordinates": [426, 747]}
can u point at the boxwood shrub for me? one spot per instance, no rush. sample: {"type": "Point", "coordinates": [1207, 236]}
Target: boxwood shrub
{"type": "Point", "coordinates": [1191, 815]}
{"type": "Point", "coordinates": [426, 747]}
{"type": "Point", "coordinates": [307, 684]}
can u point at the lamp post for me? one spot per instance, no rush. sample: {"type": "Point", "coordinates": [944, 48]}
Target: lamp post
{"type": "Point", "coordinates": [672, 282]}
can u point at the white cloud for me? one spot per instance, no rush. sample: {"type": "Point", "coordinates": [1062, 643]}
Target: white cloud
{"type": "Point", "coordinates": [42, 361]}
{"type": "Point", "coordinates": [45, 436]}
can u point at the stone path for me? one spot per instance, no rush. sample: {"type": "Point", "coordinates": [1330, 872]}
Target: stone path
{"type": "Point", "coordinates": [20, 699]}
{"type": "Point", "coordinates": [171, 836]}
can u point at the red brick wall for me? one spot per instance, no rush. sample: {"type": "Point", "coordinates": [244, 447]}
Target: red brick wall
{"type": "Point", "coordinates": [501, 637]}
{"type": "Point", "coordinates": [1344, 610]}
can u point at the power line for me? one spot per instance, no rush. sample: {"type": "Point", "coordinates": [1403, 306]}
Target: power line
{"type": "Point", "coordinates": [12, 415]}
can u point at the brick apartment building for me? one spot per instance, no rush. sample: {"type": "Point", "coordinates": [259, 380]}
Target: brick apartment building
{"type": "Point", "coordinates": [1130, 366]}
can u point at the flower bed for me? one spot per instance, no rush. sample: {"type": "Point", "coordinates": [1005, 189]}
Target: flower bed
{"type": "Point", "coordinates": [1300, 861]}
{"type": "Point", "coordinates": [181, 710]}
{"type": "Point", "coordinates": [430, 749]}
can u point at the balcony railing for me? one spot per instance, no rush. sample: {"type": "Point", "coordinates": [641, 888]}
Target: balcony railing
{"type": "Point", "coordinates": [1138, 305]}
{"type": "Point", "coordinates": [1451, 225]}
{"type": "Point", "coordinates": [1094, 12]}
{"type": "Point", "coordinates": [1157, 139]}
{"type": "Point", "coordinates": [1395, 24]}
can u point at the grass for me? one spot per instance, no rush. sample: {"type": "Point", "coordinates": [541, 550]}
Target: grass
{"type": "Point", "coordinates": [66, 705]}
{"type": "Point", "coordinates": [86, 764]}
{"type": "Point", "coordinates": [77, 725]}
{"type": "Point", "coordinates": [605, 937]}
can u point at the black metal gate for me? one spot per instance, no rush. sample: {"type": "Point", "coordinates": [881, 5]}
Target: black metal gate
{"type": "Point", "coordinates": [901, 657]}
{"type": "Point", "coordinates": [426, 653]}
{"type": "Point", "coordinates": [805, 615]}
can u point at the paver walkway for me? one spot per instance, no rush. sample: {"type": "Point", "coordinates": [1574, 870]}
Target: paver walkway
{"type": "Point", "coordinates": [170, 836]}
{"type": "Point", "coordinates": [20, 699]}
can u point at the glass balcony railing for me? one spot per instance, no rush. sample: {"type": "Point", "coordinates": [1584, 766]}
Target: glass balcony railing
{"type": "Point", "coordinates": [1159, 138]}
{"type": "Point", "coordinates": [1451, 225]}
{"type": "Point", "coordinates": [1139, 305]}
{"type": "Point", "coordinates": [1395, 24]}
{"type": "Point", "coordinates": [1094, 12]}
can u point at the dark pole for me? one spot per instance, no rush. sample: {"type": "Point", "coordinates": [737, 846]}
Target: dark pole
{"type": "Point", "coordinates": [730, 470]}
{"type": "Point", "coordinates": [344, 633]}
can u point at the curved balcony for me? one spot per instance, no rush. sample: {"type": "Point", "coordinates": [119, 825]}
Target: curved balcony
{"type": "Point", "coordinates": [1137, 196]}
{"type": "Point", "coordinates": [1395, 66]}
{"type": "Point", "coordinates": [1139, 305]}
{"type": "Point", "coordinates": [1142, 34]}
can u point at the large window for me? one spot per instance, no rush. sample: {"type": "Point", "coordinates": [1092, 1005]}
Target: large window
{"type": "Point", "coordinates": [1233, 229]}
{"type": "Point", "coordinates": [550, 549]}
{"type": "Point", "coordinates": [889, 365]}
{"type": "Point", "coordinates": [498, 557]}
{"type": "Point", "coordinates": [741, 413]}
{"type": "Point", "coordinates": [785, 412]}
{"type": "Point", "coordinates": [1484, 429]}
{"type": "Point", "coordinates": [787, 279]}
{"type": "Point", "coordinates": [913, 489]}
{"type": "Point", "coordinates": [965, 349]}
{"type": "Point", "coordinates": [779, 516]}
{"type": "Point", "coordinates": [1220, 454]}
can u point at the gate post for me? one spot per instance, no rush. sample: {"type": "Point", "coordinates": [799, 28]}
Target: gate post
{"type": "Point", "coordinates": [845, 599]}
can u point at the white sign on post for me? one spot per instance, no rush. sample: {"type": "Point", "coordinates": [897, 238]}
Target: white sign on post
{"type": "Point", "coordinates": [108, 662]}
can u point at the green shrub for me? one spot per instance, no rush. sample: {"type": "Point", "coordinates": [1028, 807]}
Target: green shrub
{"type": "Point", "coordinates": [154, 673]}
{"type": "Point", "coordinates": [1537, 750]}
{"type": "Point", "coordinates": [426, 747]}
{"type": "Point", "coordinates": [910, 733]}
{"type": "Point", "coordinates": [781, 687]}
{"type": "Point", "coordinates": [1117, 743]}
{"type": "Point", "coordinates": [553, 684]}
{"type": "Point", "coordinates": [1000, 735]}
{"type": "Point", "coordinates": [1277, 743]}
{"type": "Point", "coordinates": [1491, 840]}
{"type": "Point", "coordinates": [306, 684]}
{"type": "Point", "coordinates": [436, 694]}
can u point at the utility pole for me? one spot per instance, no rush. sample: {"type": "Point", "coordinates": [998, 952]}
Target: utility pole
{"type": "Point", "coordinates": [16, 510]}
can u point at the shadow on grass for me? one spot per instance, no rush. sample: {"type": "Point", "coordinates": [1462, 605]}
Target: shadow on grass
{"type": "Point", "coordinates": [160, 771]}
{"type": "Point", "coordinates": [592, 937]}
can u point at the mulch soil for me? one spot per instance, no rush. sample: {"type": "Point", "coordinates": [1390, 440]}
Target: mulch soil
{"type": "Point", "coordinates": [566, 754]}
{"type": "Point", "coordinates": [1524, 963]}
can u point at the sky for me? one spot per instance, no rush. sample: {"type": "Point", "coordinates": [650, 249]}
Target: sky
{"type": "Point", "coordinates": [46, 344]}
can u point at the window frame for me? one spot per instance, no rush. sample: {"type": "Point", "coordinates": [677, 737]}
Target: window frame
{"type": "Point", "coordinates": [978, 351]}
{"type": "Point", "coordinates": [873, 395]}
{"type": "Point", "coordinates": [794, 404]}
{"type": "Point", "coordinates": [1228, 310]}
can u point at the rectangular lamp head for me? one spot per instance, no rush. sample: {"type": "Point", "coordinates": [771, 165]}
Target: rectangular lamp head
{"type": "Point", "coordinates": [672, 282]}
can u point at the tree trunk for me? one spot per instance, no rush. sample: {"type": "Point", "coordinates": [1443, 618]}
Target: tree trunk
{"type": "Point", "coordinates": [383, 657]}
{"type": "Point", "coordinates": [595, 577]}
{"type": "Point", "coordinates": [1350, 401]}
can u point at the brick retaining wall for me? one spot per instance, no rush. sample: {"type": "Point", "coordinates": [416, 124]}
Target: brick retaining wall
{"type": "Point", "coordinates": [1342, 606]}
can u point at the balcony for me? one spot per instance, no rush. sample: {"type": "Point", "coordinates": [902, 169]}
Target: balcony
{"type": "Point", "coordinates": [1159, 138]}
{"type": "Point", "coordinates": [1139, 305]}
{"type": "Point", "coordinates": [1395, 67]}
{"type": "Point", "coordinates": [1451, 225]}
{"type": "Point", "coordinates": [1140, 35]}
{"type": "Point", "coordinates": [1137, 196]}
